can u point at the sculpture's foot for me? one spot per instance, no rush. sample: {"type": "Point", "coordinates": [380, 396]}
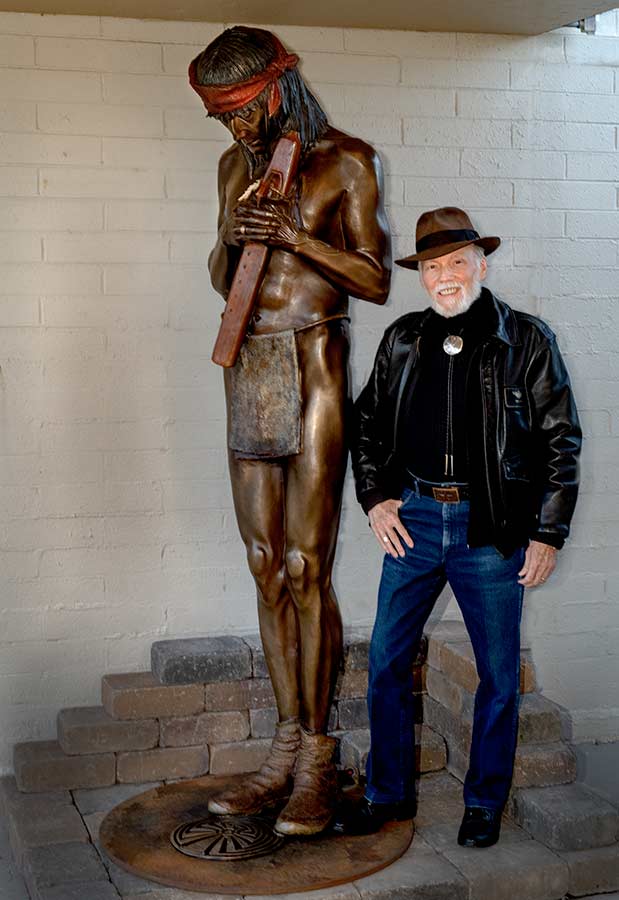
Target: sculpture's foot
{"type": "Point", "coordinates": [270, 785]}
{"type": "Point", "coordinates": [314, 796]}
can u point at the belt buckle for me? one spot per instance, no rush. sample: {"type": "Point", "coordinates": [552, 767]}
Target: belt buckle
{"type": "Point", "coordinates": [446, 494]}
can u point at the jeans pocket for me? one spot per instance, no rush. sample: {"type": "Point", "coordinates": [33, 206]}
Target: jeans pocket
{"type": "Point", "coordinates": [408, 494]}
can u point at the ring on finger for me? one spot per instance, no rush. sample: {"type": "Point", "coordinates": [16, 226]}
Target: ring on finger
{"type": "Point", "coordinates": [385, 538]}
{"type": "Point", "coordinates": [243, 229]}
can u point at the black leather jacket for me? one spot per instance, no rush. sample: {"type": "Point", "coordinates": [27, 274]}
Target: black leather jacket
{"type": "Point", "coordinates": [523, 438]}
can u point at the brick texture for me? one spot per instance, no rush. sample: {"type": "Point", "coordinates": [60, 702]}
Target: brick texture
{"type": "Point", "coordinates": [247, 756]}
{"type": "Point", "coordinates": [593, 871]}
{"type": "Point", "coordinates": [200, 660]}
{"type": "Point", "coordinates": [42, 825]}
{"type": "Point", "coordinates": [42, 766]}
{"type": "Point", "coordinates": [568, 817]}
{"type": "Point", "coordinates": [89, 729]}
{"type": "Point", "coordinates": [206, 728]}
{"type": "Point", "coordinates": [62, 865]}
{"type": "Point", "coordinates": [254, 693]}
{"type": "Point", "coordinates": [165, 763]}
{"type": "Point", "coordinates": [138, 695]}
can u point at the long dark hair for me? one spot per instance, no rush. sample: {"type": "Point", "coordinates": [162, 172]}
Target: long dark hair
{"type": "Point", "coordinates": [240, 52]}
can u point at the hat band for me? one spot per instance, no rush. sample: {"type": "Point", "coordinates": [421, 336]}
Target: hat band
{"type": "Point", "coordinates": [448, 236]}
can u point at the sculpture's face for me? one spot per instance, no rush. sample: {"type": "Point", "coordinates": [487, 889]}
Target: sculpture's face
{"type": "Point", "coordinates": [453, 281]}
{"type": "Point", "coordinates": [248, 126]}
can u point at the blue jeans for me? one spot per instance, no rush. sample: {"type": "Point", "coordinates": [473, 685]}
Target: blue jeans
{"type": "Point", "coordinates": [487, 591]}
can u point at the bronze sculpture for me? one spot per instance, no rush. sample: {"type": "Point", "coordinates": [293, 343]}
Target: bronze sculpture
{"type": "Point", "coordinates": [288, 395]}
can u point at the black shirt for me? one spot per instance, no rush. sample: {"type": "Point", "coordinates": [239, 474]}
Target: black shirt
{"type": "Point", "coordinates": [434, 443]}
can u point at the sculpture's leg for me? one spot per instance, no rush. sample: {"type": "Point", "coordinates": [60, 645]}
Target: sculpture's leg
{"type": "Point", "coordinates": [258, 489]}
{"type": "Point", "coordinates": [314, 482]}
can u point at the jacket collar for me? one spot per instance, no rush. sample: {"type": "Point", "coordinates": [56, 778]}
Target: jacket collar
{"type": "Point", "coordinates": [503, 326]}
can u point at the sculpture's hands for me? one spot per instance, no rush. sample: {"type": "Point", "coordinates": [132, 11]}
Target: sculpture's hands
{"type": "Point", "coordinates": [230, 233]}
{"type": "Point", "coordinates": [539, 563]}
{"type": "Point", "coordinates": [272, 222]}
{"type": "Point", "coordinates": [388, 528]}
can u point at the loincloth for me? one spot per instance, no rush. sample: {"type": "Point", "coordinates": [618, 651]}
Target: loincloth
{"type": "Point", "coordinates": [265, 402]}
{"type": "Point", "coordinates": [265, 398]}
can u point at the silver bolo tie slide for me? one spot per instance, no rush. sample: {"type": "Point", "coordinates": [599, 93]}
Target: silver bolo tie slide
{"type": "Point", "coordinates": [453, 344]}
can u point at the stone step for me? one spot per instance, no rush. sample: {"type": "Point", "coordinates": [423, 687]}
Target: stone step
{"type": "Point", "coordinates": [35, 820]}
{"type": "Point", "coordinates": [544, 765]}
{"type": "Point", "coordinates": [450, 652]}
{"type": "Point", "coordinates": [69, 864]}
{"type": "Point", "coordinates": [540, 719]}
{"type": "Point", "coordinates": [89, 729]}
{"type": "Point", "coordinates": [201, 660]}
{"type": "Point", "coordinates": [43, 766]}
{"type": "Point", "coordinates": [162, 764]}
{"type": "Point", "coordinates": [138, 695]}
{"type": "Point", "coordinates": [430, 750]}
{"type": "Point", "coordinates": [536, 765]}
{"type": "Point", "coordinates": [566, 817]}
{"type": "Point", "coordinates": [209, 660]}
{"type": "Point", "coordinates": [592, 871]}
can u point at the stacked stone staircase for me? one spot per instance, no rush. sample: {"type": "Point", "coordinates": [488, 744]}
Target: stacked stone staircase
{"type": "Point", "coordinates": [207, 706]}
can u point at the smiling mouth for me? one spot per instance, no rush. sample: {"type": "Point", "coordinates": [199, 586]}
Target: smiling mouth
{"type": "Point", "coordinates": [448, 292]}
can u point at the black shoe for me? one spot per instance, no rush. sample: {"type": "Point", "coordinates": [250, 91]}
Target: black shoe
{"type": "Point", "coordinates": [365, 817]}
{"type": "Point", "coordinates": [480, 827]}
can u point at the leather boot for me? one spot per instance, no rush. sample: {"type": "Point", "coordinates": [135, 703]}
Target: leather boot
{"type": "Point", "coordinates": [314, 796]}
{"type": "Point", "coordinates": [272, 782]}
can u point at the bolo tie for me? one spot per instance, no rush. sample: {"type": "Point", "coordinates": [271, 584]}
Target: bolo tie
{"type": "Point", "coordinates": [452, 345]}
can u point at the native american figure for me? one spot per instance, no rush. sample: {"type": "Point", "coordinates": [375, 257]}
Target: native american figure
{"type": "Point", "coordinates": [288, 394]}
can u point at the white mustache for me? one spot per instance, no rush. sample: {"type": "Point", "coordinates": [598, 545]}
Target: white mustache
{"type": "Point", "coordinates": [461, 305]}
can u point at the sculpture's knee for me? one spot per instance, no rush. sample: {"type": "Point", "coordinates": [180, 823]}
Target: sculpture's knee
{"type": "Point", "coordinates": [259, 560]}
{"type": "Point", "coordinates": [304, 578]}
{"type": "Point", "coordinates": [296, 564]}
{"type": "Point", "coordinates": [268, 575]}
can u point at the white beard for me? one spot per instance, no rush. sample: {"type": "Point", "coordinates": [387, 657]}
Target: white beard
{"type": "Point", "coordinates": [469, 296]}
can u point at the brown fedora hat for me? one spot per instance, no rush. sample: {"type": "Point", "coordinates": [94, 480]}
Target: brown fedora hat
{"type": "Point", "coordinates": [441, 231]}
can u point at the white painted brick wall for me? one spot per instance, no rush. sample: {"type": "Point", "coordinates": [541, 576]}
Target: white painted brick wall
{"type": "Point", "coordinates": [116, 522]}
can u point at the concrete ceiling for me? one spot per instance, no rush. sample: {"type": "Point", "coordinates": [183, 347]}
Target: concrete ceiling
{"type": "Point", "coordinates": [492, 16]}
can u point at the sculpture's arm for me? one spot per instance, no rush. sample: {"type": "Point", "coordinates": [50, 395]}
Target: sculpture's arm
{"type": "Point", "coordinates": [362, 267]}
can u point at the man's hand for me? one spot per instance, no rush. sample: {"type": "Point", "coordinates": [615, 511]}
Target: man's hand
{"type": "Point", "coordinates": [388, 528]}
{"type": "Point", "coordinates": [539, 562]}
{"type": "Point", "coordinates": [270, 223]}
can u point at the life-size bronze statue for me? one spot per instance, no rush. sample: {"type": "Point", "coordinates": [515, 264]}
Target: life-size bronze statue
{"type": "Point", "coordinates": [288, 393]}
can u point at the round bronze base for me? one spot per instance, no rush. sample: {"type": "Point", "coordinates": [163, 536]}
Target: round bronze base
{"type": "Point", "coordinates": [168, 836]}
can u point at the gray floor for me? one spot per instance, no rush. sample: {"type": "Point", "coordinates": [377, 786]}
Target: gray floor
{"type": "Point", "coordinates": [597, 764]}
{"type": "Point", "coordinates": [12, 886]}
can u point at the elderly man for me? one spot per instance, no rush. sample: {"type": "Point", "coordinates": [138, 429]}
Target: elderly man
{"type": "Point", "coordinates": [328, 240]}
{"type": "Point", "coordinates": [466, 463]}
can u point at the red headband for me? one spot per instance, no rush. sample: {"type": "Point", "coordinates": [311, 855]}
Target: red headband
{"type": "Point", "coordinates": [223, 98]}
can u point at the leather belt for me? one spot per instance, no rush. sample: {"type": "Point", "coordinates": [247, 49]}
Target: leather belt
{"type": "Point", "coordinates": [444, 493]}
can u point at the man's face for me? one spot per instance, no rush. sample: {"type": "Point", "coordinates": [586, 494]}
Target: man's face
{"type": "Point", "coordinates": [453, 281]}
